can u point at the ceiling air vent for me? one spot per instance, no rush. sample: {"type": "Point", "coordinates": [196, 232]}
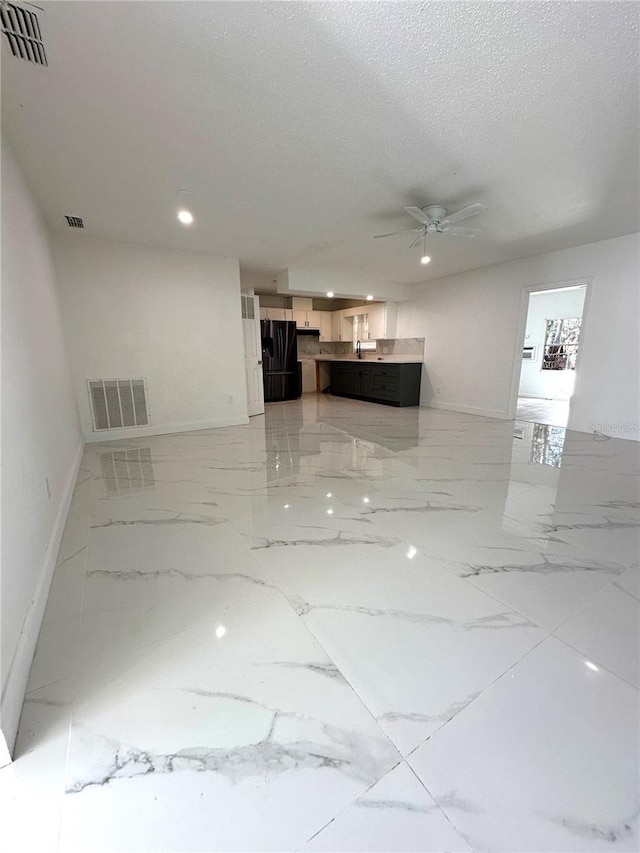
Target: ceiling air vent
{"type": "Point", "coordinates": [118, 403]}
{"type": "Point", "coordinates": [74, 221]}
{"type": "Point", "coordinates": [21, 31]}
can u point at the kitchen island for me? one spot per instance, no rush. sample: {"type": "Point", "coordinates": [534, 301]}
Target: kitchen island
{"type": "Point", "coordinates": [391, 381]}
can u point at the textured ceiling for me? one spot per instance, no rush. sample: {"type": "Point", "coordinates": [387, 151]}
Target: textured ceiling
{"type": "Point", "coordinates": [303, 129]}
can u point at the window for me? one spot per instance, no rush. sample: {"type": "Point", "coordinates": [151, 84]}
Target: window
{"type": "Point", "coordinates": [561, 344]}
{"type": "Point", "coordinates": [361, 327]}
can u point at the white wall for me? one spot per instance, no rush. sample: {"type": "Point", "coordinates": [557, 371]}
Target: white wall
{"type": "Point", "coordinates": [168, 316]}
{"type": "Point", "coordinates": [548, 305]}
{"type": "Point", "coordinates": [40, 434]}
{"type": "Point", "coordinates": [473, 324]}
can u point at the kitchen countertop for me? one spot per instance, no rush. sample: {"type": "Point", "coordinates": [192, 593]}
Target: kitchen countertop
{"type": "Point", "coordinates": [377, 359]}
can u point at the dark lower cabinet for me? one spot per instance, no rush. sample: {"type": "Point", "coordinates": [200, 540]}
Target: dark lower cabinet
{"type": "Point", "coordinates": [361, 380]}
{"type": "Point", "coordinates": [393, 384]}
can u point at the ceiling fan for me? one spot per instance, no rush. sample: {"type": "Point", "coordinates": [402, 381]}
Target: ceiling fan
{"type": "Point", "coordinates": [434, 220]}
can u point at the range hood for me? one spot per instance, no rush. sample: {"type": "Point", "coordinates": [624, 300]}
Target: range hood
{"type": "Point", "coordinates": [315, 333]}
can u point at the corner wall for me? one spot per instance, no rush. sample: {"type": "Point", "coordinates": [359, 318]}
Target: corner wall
{"type": "Point", "coordinates": [168, 316]}
{"type": "Point", "coordinates": [473, 325]}
{"type": "Point", "coordinates": [41, 439]}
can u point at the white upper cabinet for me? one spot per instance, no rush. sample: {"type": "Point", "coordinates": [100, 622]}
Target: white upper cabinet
{"type": "Point", "coordinates": [336, 326]}
{"type": "Point", "coordinates": [276, 314]}
{"type": "Point", "coordinates": [379, 319]}
{"type": "Point", "coordinates": [326, 326]}
{"type": "Point", "coordinates": [382, 320]}
{"type": "Point", "coordinates": [300, 318]}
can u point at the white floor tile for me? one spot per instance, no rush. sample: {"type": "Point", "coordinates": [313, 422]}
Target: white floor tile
{"type": "Point", "coordinates": [396, 814]}
{"type": "Point", "coordinates": [248, 627]}
{"type": "Point", "coordinates": [607, 630]}
{"type": "Point", "coordinates": [545, 760]}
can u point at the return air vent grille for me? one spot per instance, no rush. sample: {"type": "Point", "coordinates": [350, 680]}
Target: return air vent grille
{"type": "Point", "coordinates": [118, 403]}
{"type": "Point", "coordinates": [21, 31]}
{"type": "Point", "coordinates": [74, 221]}
{"type": "Point", "coordinates": [248, 308]}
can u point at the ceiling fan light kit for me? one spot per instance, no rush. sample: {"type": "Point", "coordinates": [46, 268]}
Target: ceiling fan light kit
{"type": "Point", "coordinates": [434, 220]}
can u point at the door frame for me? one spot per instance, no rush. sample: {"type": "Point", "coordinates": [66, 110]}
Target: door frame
{"type": "Point", "coordinates": [521, 327]}
{"type": "Point", "coordinates": [257, 340]}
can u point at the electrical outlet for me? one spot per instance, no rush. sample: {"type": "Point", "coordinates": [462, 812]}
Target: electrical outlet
{"type": "Point", "coordinates": [47, 487]}
{"type": "Point", "coordinates": [385, 350]}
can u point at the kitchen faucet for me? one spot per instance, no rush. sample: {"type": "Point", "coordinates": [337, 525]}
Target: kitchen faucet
{"type": "Point", "coordinates": [358, 349]}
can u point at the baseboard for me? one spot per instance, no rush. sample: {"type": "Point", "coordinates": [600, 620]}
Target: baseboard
{"type": "Point", "coordinates": [16, 683]}
{"type": "Point", "coordinates": [166, 429]}
{"type": "Point", "coordinates": [467, 410]}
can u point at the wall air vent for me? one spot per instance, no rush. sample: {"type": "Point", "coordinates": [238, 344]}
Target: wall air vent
{"type": "Point", "coordinates": [118, 403]}
{"type": "Point", "coordinates": [74, 221]}
{"type": "Point", "coordinates": [248, 308]}
{"type": "Point", "coordinates": [21, 32]}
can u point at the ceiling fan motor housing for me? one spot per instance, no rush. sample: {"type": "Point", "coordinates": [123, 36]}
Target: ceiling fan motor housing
{"type": "Point", "coordinates": [435, 212]}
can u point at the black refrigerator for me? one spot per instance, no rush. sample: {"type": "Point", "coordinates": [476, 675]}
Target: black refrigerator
{"type": "Point", "coordinates": [280, 365]}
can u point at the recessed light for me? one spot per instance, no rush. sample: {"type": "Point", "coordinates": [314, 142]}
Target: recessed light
{"type": "Point", "coordinates": [425, 259]}
{"type": "Point", "coordinates": [330, 294]}
{"type": "Point", "coordinates": [185, 216]}
{"type": "Point", "coordinates": [412, 552]}
{"type": "Point", "coordinates": [329, 494]}
{"type": "Point", "coordinates": [369, 298]}
{"type": "Point", "coordinates": [329, 511]}
{"type": "Point", "coordinates": [592, 666]}
{"type": "Point", "coordinates": [220, 631]}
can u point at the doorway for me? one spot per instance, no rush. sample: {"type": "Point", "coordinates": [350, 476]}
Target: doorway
{"type": "Point", "coordinates": [550, 354]}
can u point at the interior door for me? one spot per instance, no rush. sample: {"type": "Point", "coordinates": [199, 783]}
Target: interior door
{"type": "Point", "coordinates": [252, 355]}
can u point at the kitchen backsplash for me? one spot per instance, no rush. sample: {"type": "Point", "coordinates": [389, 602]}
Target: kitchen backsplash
{"type": "Point", "coordinates": [401, 346]}
{"type": "Point", "coordinates": [309, 346]}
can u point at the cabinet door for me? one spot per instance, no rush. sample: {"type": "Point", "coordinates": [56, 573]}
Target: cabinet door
{"type": "Point", "coordinates": [300, 318]}
{"type": "Point", "coordinates": [313, 319]}
{"type": "Point", "coordinates": [264, 313]}
{"type": "Point", "coordinates": [377, 316]}
{"type": "Point", "coordinates": [341, 378]}
{"type": "Point", "coordinates": [336, 325]}
{"type": "Point", "coordinates": [276, 313]}
{"type": "Point", "coordinates": [361, 379]}
{"type": "Point", "coordinates": [288, 314]}
{"type": "Point", "coordinates": [325, 326]}
{"type": "Point", "coordinates": [347, 328]}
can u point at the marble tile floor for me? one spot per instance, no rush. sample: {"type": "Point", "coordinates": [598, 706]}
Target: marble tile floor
{"type": "Point", "coordinates": [340, 627]}
{"type": "Point", "coordinates": [543, 411]}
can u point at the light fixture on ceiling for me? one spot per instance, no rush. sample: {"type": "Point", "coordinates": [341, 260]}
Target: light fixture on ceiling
{"type": "Point", "coordinates": [185, 200]}
{"type": "Point", "coordinates": [330, 294]}
{"type": "Point", "coordinates": [369, 298]}
{"type": "Point", "coordinates": [425, 258]}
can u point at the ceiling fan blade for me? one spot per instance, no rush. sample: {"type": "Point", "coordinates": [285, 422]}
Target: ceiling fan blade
{"type": "Point", "coordinates": [393, 233]}
{"type": "Point", "coordinates": [418, 214]}
{"type": "Point", "coordinates": [457, 231]}
{"type": "Point", "coordinates": [465, 213]}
